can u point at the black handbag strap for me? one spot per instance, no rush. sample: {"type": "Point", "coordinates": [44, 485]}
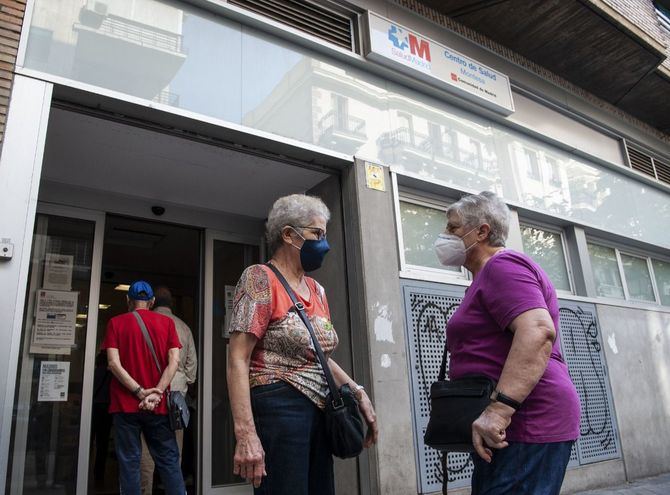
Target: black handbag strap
{"type": "Point", "coordinates": [300, 308]}
{"type": "Point", "coordinates": [443, 367]}
{"type": "Point", "coordinates": [147, 339]}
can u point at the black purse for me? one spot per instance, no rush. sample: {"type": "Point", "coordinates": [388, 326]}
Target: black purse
{"type": "Point", "coordinates": [344, 426]}
{"type": "Point", "coordinates": [454, 406]}
{"type": "Point", "coordinates": [178, 413]}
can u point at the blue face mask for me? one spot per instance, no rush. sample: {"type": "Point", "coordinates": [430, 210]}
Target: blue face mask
{"type": "Point", "coordinates": [312, 253]}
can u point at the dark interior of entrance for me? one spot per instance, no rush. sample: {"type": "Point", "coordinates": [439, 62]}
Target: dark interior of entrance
{"type": "Point", "coordinates": [163, 255]}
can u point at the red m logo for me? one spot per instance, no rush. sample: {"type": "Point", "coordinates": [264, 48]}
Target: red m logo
{"type": "Point", "coordinates": [419, 48]}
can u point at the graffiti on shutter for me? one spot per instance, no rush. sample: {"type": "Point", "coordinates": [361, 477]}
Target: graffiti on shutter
{"type": "Point", "coordinates": [428, 307]}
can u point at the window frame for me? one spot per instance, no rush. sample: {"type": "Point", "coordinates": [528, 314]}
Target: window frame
{"type": "Point", "coordinates": [649, 270]}
{"type": "Point", "coordinates": [554, 229]}
{"type": "Point", "coordinates": [635, 253]}
{"type": "Point", "coordinates": [419, 272]}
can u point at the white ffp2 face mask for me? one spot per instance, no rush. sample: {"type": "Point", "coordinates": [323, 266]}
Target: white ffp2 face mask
{"type": "Point", "coordinates": [450, 249]}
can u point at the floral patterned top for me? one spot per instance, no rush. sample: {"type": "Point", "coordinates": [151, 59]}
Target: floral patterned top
{"type": "Point", "coordinates": [284, 350]}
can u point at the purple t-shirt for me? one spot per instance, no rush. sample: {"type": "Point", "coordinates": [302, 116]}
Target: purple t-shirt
{"type": "Point", "coordinates": [508, 285]}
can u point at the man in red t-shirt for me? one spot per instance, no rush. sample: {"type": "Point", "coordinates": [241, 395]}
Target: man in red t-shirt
{"type": "Point", "coordinates": [137, 388]}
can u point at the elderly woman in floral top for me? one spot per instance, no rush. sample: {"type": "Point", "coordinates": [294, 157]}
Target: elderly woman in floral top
{"type": "Point", "coordinates": [277, 386]}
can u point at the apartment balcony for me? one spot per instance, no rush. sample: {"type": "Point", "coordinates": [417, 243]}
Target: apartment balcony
{"type": "Point", "coordinates": [342, 132]}
{"type": "Point", "coordinates": [139, 58]}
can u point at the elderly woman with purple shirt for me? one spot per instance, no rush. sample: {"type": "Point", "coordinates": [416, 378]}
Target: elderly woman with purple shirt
{"type": "Point", "coordinates": [506, 328]}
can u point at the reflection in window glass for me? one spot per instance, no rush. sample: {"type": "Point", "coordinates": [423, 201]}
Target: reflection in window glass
{"type": "Point", "coordinates": [420, 227]}
{"type": "Point", "coordinates": [662, 275]}
{"type": "Point", "coordinates": [638, 280]}
{"type": "Point", "coordinates": [546, 249]}
{"type": "Point", "coordinates": [605, 271]}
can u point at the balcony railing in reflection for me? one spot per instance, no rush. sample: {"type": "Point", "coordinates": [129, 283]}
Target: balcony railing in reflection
{"type": "Point", "coordinates": [334, 122]}
{"type": "Point", "coordinates": [423, 146]}
{"type": "Point", "coordinates": [167, 98]}
{"type": "Point", "coordinates": [130, 30]}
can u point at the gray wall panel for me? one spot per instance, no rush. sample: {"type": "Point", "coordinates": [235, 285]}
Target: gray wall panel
{"type": "Point", "coordinates": [637, 346]}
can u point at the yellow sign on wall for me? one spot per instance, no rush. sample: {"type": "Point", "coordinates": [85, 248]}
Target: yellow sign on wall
{"type": "Point", "coordinates": [374, 177]}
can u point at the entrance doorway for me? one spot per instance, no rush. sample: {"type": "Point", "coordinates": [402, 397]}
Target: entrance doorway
{"type": "Point", "coordinates": [163, 255]}
{"type": "Point", "coordinates": [106, 174]}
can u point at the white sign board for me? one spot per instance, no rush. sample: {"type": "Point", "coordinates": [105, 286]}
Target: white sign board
{"type": "Point", "coordinates": [58, 271]}
{"type": "Point", "coordinates": [398, 47]}
{"type": "Point", "coordinates": [55, 318]}
{"type": "Point", "coordinates": [54, 379]}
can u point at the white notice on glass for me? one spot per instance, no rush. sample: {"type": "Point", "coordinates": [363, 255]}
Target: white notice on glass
{"type": "Point", "coordinates": [54, 379]}
{"type": "Point", "coordinates": [56, 318]}
{"type": "Point", "coordinates": [58, 271]}
{"type": "Point", "coordinates": [229, 298]}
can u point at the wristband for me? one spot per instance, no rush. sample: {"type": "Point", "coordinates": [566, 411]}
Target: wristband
{"type": "Point", "coordinates": [137, 391]}
{"type": "Point", "coordinates": [498, 396]}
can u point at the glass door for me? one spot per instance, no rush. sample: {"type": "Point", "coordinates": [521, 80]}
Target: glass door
{"type": "Point", "coordinates": [51, 417]}
{"type": "Point", "coordinates": [225, 259]}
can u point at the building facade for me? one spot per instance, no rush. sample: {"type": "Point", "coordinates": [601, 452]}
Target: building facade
{"type": "Point", "coordinates": [148, 139]}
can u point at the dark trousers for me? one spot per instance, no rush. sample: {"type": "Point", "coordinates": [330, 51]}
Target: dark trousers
{"type": "Point", "coordinates": [292, 431]}
{"type": "Point", "coordinates": [522, 469]}
{"type": "Point", "coordinates": [162, 445]}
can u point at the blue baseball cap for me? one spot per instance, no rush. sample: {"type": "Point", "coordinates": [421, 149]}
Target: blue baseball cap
{"type": "Point", "coordinates": [140, 291]}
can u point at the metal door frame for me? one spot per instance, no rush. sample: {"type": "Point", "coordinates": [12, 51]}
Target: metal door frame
{"type": "Point", "coordinates": [205, 425]}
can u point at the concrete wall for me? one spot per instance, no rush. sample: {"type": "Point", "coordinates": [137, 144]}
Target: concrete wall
{"type": "Point", "coordinates": [392, 463]}
{"type": "Point", "coordinates": [637, 347]}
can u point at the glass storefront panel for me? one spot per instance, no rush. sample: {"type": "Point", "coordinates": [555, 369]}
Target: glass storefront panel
{"type": "Point", "coordinates": [662, 276]}
{"type": "Point", "coordinates": [638, 280]}
{"type": "Point", "coordinates": [606, 271]}
{"type": "Point", "coordinates": [188, 58]}
{"type": "Point", "coordinates": [546, 249]}
{"type": "Point", "coordinates": [420, 227]}
{"type": "Point", "coordinates": [48, 407]}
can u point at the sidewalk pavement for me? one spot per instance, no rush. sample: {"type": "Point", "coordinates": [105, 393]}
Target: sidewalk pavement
{"type": "Point", "coordinates": [659, 485]}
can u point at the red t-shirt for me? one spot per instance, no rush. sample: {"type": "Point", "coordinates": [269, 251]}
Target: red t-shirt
{"type": "Point", "coordinates": [124, 333]}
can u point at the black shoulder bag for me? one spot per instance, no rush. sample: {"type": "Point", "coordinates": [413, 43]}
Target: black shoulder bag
{"type": "Point", "coordinates": [178, 413]}
{"type": "Point", "coordinates": [344, 427]}
{"type": "Point", "coordinates": [454, 406]}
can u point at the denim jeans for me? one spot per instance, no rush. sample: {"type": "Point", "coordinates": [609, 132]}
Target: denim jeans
{"type": "Point", "coordinates": [162, 445]}
{"type": "Point", "coordinates": [292, 431]}
{"type": "Point", "coordinates": [522, 469]}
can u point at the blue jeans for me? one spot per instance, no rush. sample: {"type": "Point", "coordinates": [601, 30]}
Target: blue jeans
{"type": "Point", "coordinates": [292, 431]}
{"type": "Point", "coordinates": [522, 469]}
{"type": "Point", "coordinates": [162, 445]}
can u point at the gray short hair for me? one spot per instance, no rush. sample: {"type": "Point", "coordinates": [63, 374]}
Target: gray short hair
{"type": "Point", "coordinates": [485, 207]}
{"type": "Point", "coordinates": [296, 210]}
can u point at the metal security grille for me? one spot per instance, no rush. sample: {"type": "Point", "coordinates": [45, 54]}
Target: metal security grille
{"type": "Point", "coordinates": [582, 349]}
{"type": "Point", "coordinates": [641, 162]}
{"type": "Point", "coordinates": [428, 307]}
{"type": "Point", "coordinates": [662, 171]}
{"type": "Point", "coordinates": [311, 17]}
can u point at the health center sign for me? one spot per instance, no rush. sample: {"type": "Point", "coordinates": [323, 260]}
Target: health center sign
{"type": "Point", "coordinates": [398, 47]}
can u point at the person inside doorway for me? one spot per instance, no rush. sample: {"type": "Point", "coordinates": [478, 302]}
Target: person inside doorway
{"type": "Point", "coordinates": [185, 376]}
{"type": "Point", "coordinates": [276, 384]}
{"type": "Point", "coordinates": [136, 391]}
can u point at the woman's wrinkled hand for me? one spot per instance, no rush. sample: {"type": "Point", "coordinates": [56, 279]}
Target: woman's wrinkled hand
{"type": "Point", "coordinates": [368, 412]}
{"type": "Point", "coordinates": [249, 460]}
{"type": "Point", "coordinates": [489, 430]}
